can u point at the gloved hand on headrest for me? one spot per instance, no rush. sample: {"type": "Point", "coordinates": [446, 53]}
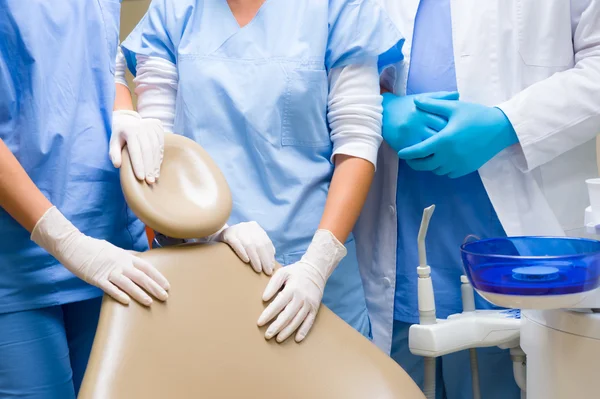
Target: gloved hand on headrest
{"type": "Point", "coordinates": [251, 244]}
{"type": "Point", "coordinates": [144, 137]}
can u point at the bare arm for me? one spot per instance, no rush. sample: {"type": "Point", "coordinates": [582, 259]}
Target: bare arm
{"type": "Point", "coordinates": [19, 196]}
{"type": "Point", "coordinates": [122, 94]}
{"type": "Point", "coordinates": [347, 195]}
{"type": "Point", "coordinates": [123, 99]}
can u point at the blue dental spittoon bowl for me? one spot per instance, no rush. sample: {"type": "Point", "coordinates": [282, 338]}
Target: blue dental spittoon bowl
{"type": "Point", "coordinates": [533, 272]}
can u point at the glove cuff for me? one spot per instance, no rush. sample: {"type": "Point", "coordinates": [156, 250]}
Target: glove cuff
{"type": "Point", "coordinates": [54, 232]}
{"type": "Point", "coordinates": [218, 236]}
{"type": "Point", "coordinates": [126, 112]}
{"type": "Point", "coordinates": [324, 252]}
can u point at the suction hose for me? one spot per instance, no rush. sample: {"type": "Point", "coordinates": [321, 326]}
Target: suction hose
{"type": "Point", "coordinates": [426, 300]}
{"type": "Point", "coordinates": [468, 300]}
{"type": "Point", "coordinates": [520, 369]}
{"type": "Point", "coordinates": [429, 381]}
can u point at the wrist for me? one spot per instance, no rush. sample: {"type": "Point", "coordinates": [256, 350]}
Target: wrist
{"type": "Point", "coordinates": [508, 135]}
{"type": "Point", "coordinates": [387, 98]}
{"type": "Point", "coordinates": [126, 112]}
{"type": "Point", "coordinates": [122, 94]}
{"type": "Point", "coordinates": [324, 253]}
{"type": "Point", "coordinates": [55, 233]}
{"type": "Point", "coordinates": [218, 236]}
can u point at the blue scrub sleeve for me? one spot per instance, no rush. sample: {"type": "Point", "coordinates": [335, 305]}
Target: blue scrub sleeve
{"type": "Point", "coordinates": [159, 32]}
{"type": "Point", "coordinates": [358, 31]}
{"type": "Point", "coordinates": [392, 56]}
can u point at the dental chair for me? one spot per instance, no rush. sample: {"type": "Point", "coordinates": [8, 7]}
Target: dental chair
{"type": "Point", "coordinates": [203, 342]}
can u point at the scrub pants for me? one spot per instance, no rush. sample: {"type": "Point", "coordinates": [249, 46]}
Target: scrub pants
{"type": "Point", "coordinates": [345, 295]}
{"type": "Point", "coordinates": [44, 352]}
{"type": "Point", "coordinates": [453, 372]}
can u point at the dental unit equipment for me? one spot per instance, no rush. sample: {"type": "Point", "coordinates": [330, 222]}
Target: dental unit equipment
{"type": "Point", "coordinates": [550, 287]}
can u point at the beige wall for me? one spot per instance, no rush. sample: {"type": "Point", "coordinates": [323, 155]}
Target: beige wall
{"type": "Point", "coordinates": [131, 12]}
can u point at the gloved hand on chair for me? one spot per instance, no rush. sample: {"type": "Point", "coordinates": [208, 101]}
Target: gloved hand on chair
{"type": "Point", "coordinates": [144, 138]}
{"type": "Point", "coordinates": [117, 272]}
{"type": "Point", "coordinates": [251, 244]}
{"type": "Point", "coordinates": [297, 304]}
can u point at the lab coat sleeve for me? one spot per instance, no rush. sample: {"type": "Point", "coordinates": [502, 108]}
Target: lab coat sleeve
{"type": "Point", "coordinates": [156, 89]}
{"type": "Point", "coordinates": [355, 111]}
{"type": "Point", "coordinates": [159, 31]}
{"type": "Point", "coordinates": [358, 31]}
{"type": "Point", "coordinates": [562, 112]}
{"type": "Point", "coordinates": [120, 68]}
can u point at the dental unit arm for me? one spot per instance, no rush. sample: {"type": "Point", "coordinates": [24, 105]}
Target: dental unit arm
{"type": "Point", "coordinates": [471, 329]}
{"type": "Point", "coordinates": [426, 301]}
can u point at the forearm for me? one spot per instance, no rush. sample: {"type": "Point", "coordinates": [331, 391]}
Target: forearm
{"type": "Point", "coordinates": [123, 99]}
{"type": "Point", "coordinates": [347, 194]}
{"type": "Point", "coordinates": [19, 196]}
{"type": "Point", "coordinates": [156, 86]}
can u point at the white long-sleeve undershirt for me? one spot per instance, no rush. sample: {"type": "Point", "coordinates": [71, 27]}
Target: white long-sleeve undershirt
{"type": "Point", "coordinates": [354, 111]}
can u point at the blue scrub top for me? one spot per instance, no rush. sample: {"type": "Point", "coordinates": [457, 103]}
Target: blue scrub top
{"type": "Point", "coordinates": [462, 205]}
{"type": "Point", "coordinates": [57, 91]}
{"type": "Point", "coordinates": [255, 97]}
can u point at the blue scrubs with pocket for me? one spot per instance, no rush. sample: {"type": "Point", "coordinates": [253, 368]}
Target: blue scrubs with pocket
{"type": "Point", "coordinates": [57, 91]}
{"type": "Point", "coordinates": [255, 97]}
{"type": "Point", "coordinates": [462, 208]}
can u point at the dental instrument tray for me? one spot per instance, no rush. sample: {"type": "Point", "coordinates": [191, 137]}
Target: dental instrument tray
{"type": "Point", "coordinates": [533, 272]}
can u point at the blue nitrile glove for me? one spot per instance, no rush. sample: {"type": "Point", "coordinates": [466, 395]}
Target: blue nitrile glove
{"type": "Point", "coordinates": [404, 125]}
{"type": "Point", "coordinates": [474, 135]}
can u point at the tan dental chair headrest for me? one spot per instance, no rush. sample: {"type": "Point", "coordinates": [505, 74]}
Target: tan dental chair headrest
{"type": "Point", "coordinates": [191, 199]}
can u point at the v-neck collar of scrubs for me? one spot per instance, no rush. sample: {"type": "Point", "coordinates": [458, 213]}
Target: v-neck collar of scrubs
{"type": "Point", "coordinates": [224, 26]}
{"type": "Point", "coordinates": [233, 17]}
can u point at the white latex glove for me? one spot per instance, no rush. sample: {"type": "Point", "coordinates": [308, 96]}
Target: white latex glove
{"type": "Point", "coordinates": [303, 282]}
{"type": "Point", "coordinates": [117, 272]}
{"type": "Point", "coordinates": [251, 243]}
{"type": "Point", "coordinates": [145, 140]}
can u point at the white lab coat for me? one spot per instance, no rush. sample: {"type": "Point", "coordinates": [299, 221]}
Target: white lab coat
{"type": "Point", "coordinates": [539, 61]}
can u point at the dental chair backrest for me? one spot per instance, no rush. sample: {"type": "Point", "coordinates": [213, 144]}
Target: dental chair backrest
{"type": "Point", "coordinates": [204, 341]}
